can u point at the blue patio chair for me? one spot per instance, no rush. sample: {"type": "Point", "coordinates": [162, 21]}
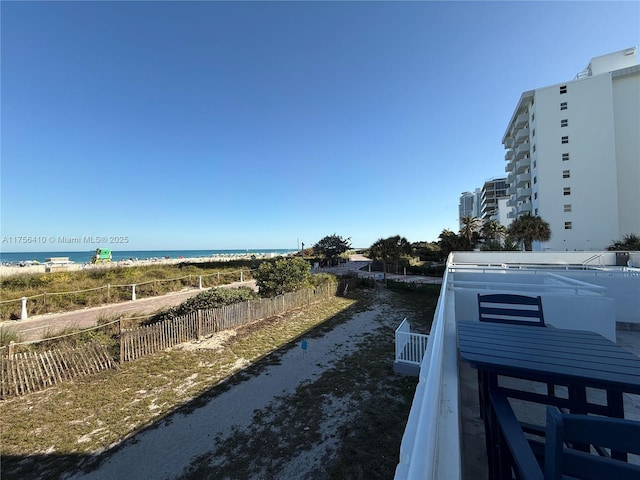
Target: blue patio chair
{"type": "Point", "coordinates": [511, 308]}
{"type": "Point", "coordinates": [619, 435]}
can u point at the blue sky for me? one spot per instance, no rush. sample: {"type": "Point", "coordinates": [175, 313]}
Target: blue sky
{"type": "Point", "coordinates": [210, 125]}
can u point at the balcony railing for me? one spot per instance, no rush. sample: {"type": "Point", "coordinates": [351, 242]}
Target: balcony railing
{"type": "Point", "coordinates": [522, 150]}
{"type": "Point", "coordinates": [523, 194]}
{"type": "Point", "coordinates": [523, 164]}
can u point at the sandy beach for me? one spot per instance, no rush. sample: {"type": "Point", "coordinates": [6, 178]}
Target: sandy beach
{"type": "Point", "coordinates": [6, 270]}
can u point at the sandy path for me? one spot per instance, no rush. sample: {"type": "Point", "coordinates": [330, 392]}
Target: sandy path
{"type": "Point", "coordinates": [165, 451]}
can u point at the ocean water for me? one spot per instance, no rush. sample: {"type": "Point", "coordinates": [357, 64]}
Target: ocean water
{"type": "Point", "coordinates": [85, 256]}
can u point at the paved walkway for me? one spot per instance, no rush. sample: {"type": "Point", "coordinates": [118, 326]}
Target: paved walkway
{"type": "Point", "coordinates": [33, 328]}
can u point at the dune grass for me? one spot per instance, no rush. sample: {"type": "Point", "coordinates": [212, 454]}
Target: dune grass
{"type": "Point", "coordinates": [50, 290]}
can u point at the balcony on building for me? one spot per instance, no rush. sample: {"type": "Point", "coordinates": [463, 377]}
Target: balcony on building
{"type": "Point", "coordinates": [522, 135]}
{"type": "Point", "coordinates": [523, 179]}
{"type": "Point", "coordinates": [512, 202]}
{"type": "Point", "coordinates": [509, 155]}
{"type": "Point", "coordinates": [522, 165]}
{"type": "Point", "coordinates": [522, 150]}
{"type": "Point", "coordinates": [444, 435]}
{"type": "Point", "coordinates": [523, 194]}
{"type": "Point", "coordinates": [521, 120]}
{"type": "Point", "coordinates": [524, 208]}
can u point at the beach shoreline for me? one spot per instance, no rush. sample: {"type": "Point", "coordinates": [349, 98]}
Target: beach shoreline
{"type": "Point", "coordinates": [10, 270]}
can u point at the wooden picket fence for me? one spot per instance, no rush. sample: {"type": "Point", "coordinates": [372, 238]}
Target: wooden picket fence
{"type": "Point", "coordinates": [146, 340]}
{"type": "Point", "coordinates": [27, 372]}
{"type": "Point", "coordinates": [30, 371]}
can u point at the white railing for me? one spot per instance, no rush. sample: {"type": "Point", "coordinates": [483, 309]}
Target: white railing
{"type": "Point", "coordinates": [410, 347]}
{"type": "Point", "coordinates": [430, 447]}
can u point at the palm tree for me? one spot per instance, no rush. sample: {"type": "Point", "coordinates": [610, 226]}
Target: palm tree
{"type": "Point", "coordinates": [494, 230]}
{"type": "Point", "coordinates": [629, 242]}
{"type": "Point", "coordinates": [390, 250]}
{"type": "Point", "coordinates": [470, 229]}
{"type": "Point", "coordinates": [529, 229]}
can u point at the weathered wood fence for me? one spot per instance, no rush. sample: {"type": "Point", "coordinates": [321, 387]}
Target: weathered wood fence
{"type": "Point", "coordinates": [27, 372]}
{"type": "Point", "coordinates": [146, 340]}
{"type": "Point", "coordinates": [30, 371]}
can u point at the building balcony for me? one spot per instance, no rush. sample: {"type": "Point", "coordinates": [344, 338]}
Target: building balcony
{"type": "Point", "coordinates": [523, 180]}
{"type": "Point", "coordinates": [444, 434]}
{"type": "Point", "coordinates": [512, 214]}
{"type": "Point", "coordinates": [521, 120]}
{"type": "Point", "coordinates": [522, 165]}
{"type": "Point", "coordinates": [522, 150]}
{"type": "Point", "coordinates": [512, 202]}
{"type": "Point", "coordinates": [509, 155]}
{"type": "Point", "coordinates": [509, 167]}
{"type": "Point", "coordinates": [523, 194]}
{"type": "Point", "coordinates": [522, 135]}
{"type": "Point", "coordinates": [524, 207]}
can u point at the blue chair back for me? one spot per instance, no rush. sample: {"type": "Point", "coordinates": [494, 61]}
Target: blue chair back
{"type": "Point", "coordinates": [511, 308]}
{"type": "Point", "coordinates": [618, 435]}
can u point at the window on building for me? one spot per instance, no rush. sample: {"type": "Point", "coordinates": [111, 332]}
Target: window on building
{"type": "Point", "coordinates": [563, 89]}
{"type": "Point", "coordinates": [535, 180]}
{"type": "Point", "coordinates": [533, 116]}
{"type": "Point", "coordinates": [564, 122]}
{"type": "Point", "coordinates": [567, 225]}
{"type": "Point", "coordinates": [566, 174]}
{"type": "Point", "coordinates": [535, 163]}
{"type": "Point", "coordinates": [563, 106]}
{"type": "Point", "coordinates": [566, 191]}
{"type": "Point", "coordinates": [533, 132]}
{"type": "Point", "coordinates": [535, 212]}
{"type": "Point", "coordinates": [567, 207]}
{"type": "Point", "coordinates": [534, 147]}
{"type": "Point", "coordinates": [535, 195]}
{"type": "Point", "coordinates": [565, 139]}
{"type": "Point", "coordinates": [565, 157]}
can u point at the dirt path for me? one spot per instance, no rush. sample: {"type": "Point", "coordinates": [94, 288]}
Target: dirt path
{"type": "Point", "coordinates": [202, 443]}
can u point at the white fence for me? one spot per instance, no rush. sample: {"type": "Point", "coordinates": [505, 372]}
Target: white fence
{"type": "Point", "coordinates": [410, 347]}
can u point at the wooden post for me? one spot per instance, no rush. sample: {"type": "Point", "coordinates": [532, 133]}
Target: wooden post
{"type": "Point", "coordinates": [200, 282]}
{"type": "Point", "coordinates": [133, 291]}
{"type": "Point", "coordinates": [23, 309]}
{"type": "Point", "coordinates": [44, 301]}
{"type": "Point", "coordinates": [12, 346]}
{"type": "Point", "coordinates": [108, 292]}
{"type": "Point", "coordinates": [121, 342]}
{"type": "Point", "coordinates": [199, 324]}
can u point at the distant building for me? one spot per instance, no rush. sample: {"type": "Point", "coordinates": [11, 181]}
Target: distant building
{"type": "Point", "coordinates": [573, 155]}
{"type": "Point", "coordinates": [470, 204]}
{"type": "Point", "coordinates": [492, 191]}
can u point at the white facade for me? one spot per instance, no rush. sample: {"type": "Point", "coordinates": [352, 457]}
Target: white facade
{"type": "Point", "coordinates": [470, 205]}
{"type": "Point", "coordinates": [573, 155]}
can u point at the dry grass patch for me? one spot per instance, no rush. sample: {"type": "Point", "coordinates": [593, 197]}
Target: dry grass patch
{"type": "Point", "coordinates": [74, 421]}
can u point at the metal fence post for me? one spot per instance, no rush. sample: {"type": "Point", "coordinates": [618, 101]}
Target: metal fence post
{"type": "Point", "coordinates": [23, 310]}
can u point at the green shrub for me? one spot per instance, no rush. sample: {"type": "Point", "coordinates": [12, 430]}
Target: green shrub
{"type": "Point", "coordinates": [214, 298]}
{"type": "Point", "coordinates": [284, 275]}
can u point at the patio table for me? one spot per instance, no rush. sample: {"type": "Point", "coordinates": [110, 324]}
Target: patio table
{"type": "Point", "coordinates": [576, 359]}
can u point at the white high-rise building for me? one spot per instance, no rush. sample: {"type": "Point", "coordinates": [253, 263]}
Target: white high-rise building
{"type": "Point", "coordinates": [573, 155]}
{"type": "Point", "coordinates": [470, 205]}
